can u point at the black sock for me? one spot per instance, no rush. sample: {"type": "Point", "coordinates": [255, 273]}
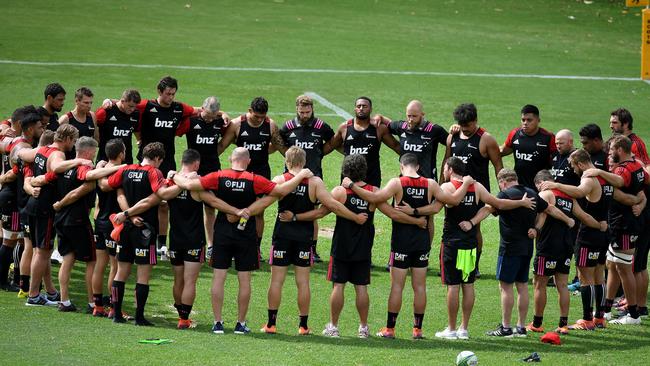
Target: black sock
{"type": "Point", "coordinates": [303, 321]}
{"type": "Point", "coordinates": [141, 295]}
{"type": "Point", "coordinates": [417, 320]}
{"type": "Point", "coordinates": [5, 260]}
{"type": "Point", "coordinates": [273, 317]}
{"type": "Point", "coordinates": [599, 298]}
{"type": "Point", "coordinates": [537, 321]}
{"type": "Point", "coordinates": [184, 311]}
{"type": "Point", "coordinates": [633, 311]}
{"type": "Point", "coordinates": [178, 309]}
{"type": "Point", "coordinates": [98, 299]}
{"type": "Point", "coordinates": [478, 258]}
{"type": "Point", "coordinates": [391, 320]}
{"type": "Point", "coordinates": [18, 254]}
{"type": "Point", "coordinates": [564, 321]}
{"type": "Point", "coordinates": [24, 282]}
{"type": "Point", "coordinates": [117, 296]}
{"type": "Point", "coordinates": [162, 241]}
{"type": "Point", "coordinates": [607, 308]}
{"type": "Point", "coordinates": [586, 293]}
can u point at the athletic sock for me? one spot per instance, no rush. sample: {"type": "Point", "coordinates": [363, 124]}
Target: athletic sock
{"type": "Point", "coordinates": [98, 299]}
{"type": "Point", "coordinates": [184, 311]}
{"type": "Point", "coordinates": [18, 254]}
{"type": "Point", "coordinates": [417, 320]}
{"type": "Point", "coordinates": [607, 308]}
{"type": "Point", "coordinates": [178, 309]}
{"type": "Point", "coordinates": [537, 321]}
{"type": "Point", "coordinates": [587, 298]}
{"type": "Point", "coordinates": [303, 321]}
{"type": "Point", "coordinates": [564, 321]}
{"type": "Point", "coordinates": [273, 317]}
{"type": "Point", "coordinates": [24, 282]}
{"type": "Point", "coordinates": [633, 311]}
{"type": "Point", "coordinates": [5, 260]}
{"type": "Point", "coordinates": [599, 300]}
{"type": "Point", "coordinates": [141, 295]}
{"type": "Point", "coordinates": [162, 241]}
{"type": "Point", "coordinates": [391, 320]}
{"type": "Point", "coordinates": [117, 296]}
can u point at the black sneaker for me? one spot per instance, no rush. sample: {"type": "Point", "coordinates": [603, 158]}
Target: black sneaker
{"type": "Point", "coordinates": [500, 332]}
{"type": "Point", "coordinates": [317, 258]}
{"type": "Point", "coordinates": [89, 309]}
{"type": "Point", "coordinates": [119, 319]}
{"type": "Point", "coordinates": [519, 332]}
{"type": "Point", "coordinates": [11, 287]}
{"type": "Point", "coordinates": [53, 297]}
{"type": "Point", "coordinates": [534, 357]}
{"type": "Point", "coordinates": [242, 328]}
{"type": "Point", "coordinates": [217, 328]}
{"type": "Point", "coordinates": [67, 308]}
{"type": "Point", "coordinates": [106, 301]}
{"type": "Point", "coordinates": [143, 323]}
{"type": "Point", "coordinates": [643, 312]}
{"type": "Point", "coordinates": [40, 300]}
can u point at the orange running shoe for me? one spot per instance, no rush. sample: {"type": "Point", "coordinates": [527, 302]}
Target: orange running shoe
{"type": "Point", "coordinates": [99, 312]}
{"type": "Point", "coordinates": [417, 333]}
{"type": "Point", "coordinates": [562, 330]}
{"type": "Point", "coordinates": [600, 323]}
{"type": "Point", "coordinates": [268, 330]}
{"type": "Point", "coordinates": [583, 325]}
{"type": "Point", "coordinates": [531, 328]}
{"type": "Point", "coordinates": [304, 331]}
{"type": "Point", "coordinates": [184, 324]}
{"type": "Point", "coordinates": [386, 333]}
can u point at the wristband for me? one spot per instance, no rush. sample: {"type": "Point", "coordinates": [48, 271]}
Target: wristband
{"type": "Point", "coordinates": [126, 213]}
{"type": "Point", "coordinates": [294, 217]}
{"type": "Point", "coordinates": [350, 185]}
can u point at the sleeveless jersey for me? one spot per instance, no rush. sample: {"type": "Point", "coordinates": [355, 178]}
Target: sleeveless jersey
{"type": "Point", "coordinates": [297, 202]}
{"type": "Point", "coordinates": [6, 164]}
{"type": "Point", "coordinates": [532, 153]}
{"type": "Point", "coordinates": [468, 150]}
{"type": "Point", "coordinates": [599, 159]}
{"type": "Point", "coordinates": [555, 238]}
{"type": "Point", "coordinates": [562, 171]}
{"type": "Point", "coordinates": [107, 203]}
{"type": "Point", "coordinates": [256, 140]}
{"type": "Point", "coordinates": [86, 128]}
{"type": "Point", "coordinates": [115, 124]}
{"type": "Point", "coordinates": [407, 237]}
{"type": "Point", "coordinates": [53, 123]}
{"type": "Point", "coordinates": [310, 136]}
{"type": "Point", "coordinates": [204, 138]}
{"type": "Point", "coordinates": [620, 216]}
{"type": "Point", "coordinates": [422, 141]}
{"type": "Point", "coordinates": [452, 234]}
{"type": "Point", "coordinates": [364, 143]}
{"type": "Point", "coordinates": [42, 206]}
{"type": "Point", "coordinates": [138, 182]}
{"type": "Point", "coordinates": [351, 241]}
{"type": "Point", "coordinates": [77, 212]}
{"type": "Point", "coordinates": [186, 221]}
{"type": "Point", "coordinates": [591, 237]}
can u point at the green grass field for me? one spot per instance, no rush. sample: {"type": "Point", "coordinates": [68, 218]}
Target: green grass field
{"type": "Point", "coordinates": [454, 38]}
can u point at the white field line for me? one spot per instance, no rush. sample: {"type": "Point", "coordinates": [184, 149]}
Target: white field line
{"type": "Point", "coordinates": [318, 71]}
{"type": "Point", "coordinates": [338, 110]}
{"type": "Point", "coordinates": [234, 114]}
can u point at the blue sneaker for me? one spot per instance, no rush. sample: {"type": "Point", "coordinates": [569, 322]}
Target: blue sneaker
{"type": "Point", "coordinates": [242, 328]}
{"type": "Point", "coordinates": [217, 328]}
{"type": "Point", "coordinates": [574, 286]}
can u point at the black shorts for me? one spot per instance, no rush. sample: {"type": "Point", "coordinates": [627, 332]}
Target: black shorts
{"type": "Point", "coordinates": [619, 240]}
{"type": "Point", "coordinates": [137, 244]}
{"type": "Point", "coordinates": [590, 257]}
{"type": "Point", "coordinates": [355, 272]}
{"type": "Point", "coordinates": [511, 269]}
{"type": "Point", "coordinates": [41, 232]}
{"type": "Point", "coordinates": [78, 239]}
{"type": "Point", "coordinates": [178, 256]}
{"type": "Point", "coordinates": [247, 256]}
{"type": "Point", "coordinates": [449, 274]}
{"type": "Point", "coordinates": [103, 241]}
{"type": "Point", "coordinates": [286, 252]}
{"type": "Point", "coordinates": [547, 266]}
{"type": "Point", "coordinates": [11, 222]}
{"type": "Point", "coordinates": [415, 259]}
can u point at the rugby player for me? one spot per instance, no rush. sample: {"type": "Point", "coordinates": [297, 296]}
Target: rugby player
{"type": "Point", "coordinates": [118, 121]}
{"type": "Point", "coordinates": [54, 95]}
{"type": "Point", "coordinates": [591, 139]}
{"type": "Point", "coordinates": [82, 117]}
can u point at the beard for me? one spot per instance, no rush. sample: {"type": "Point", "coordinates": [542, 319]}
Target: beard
{"type": "Point", "coordinates": [362, 115]}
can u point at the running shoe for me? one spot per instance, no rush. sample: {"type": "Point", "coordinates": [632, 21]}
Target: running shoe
{"type": "Point", "coordinates": [501, 331]}
{"type": "Point", "coordinates": [268, 330]}
{"type": "Point", "coordinates": [417, 333]}
{"type": "Point", "coordinates": [386, 332]}
{"type": "Point", "coordinates": [447, 334]}
{"type": "Point", "coordinates": [626, 320]}
{"type": "Point", "coordinates": [331, 331]}
{"type": "Point", "coordinates": [462, 333]}
{"type": "Point", "coordinates": [363, 332]}
{"type": "Point", "coordinates": [582, 324]}
{"type": "Point", "coordinates": [532, 328]}
{"type": "Point", "coordinates": [67, 308]}
{"type": "Point", "coordinates": [241, 328]}
{"type": "Point", "coordinates": [40, 300]}
{"type": "Point", "coordinates": [217, 328]}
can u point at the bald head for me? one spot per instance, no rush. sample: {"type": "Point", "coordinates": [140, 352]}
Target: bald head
{"type": "Point", "coordinates": [414, 113]}
{"type": "Point", "coordinates": [415, 105]}
{"type": "Point", "coordinates": [564, 141]}
{"type": "Point", "coordinates": [240, 155]}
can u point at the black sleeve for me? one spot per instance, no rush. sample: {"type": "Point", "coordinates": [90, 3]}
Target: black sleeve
{"type": "Point", "coordinates": [328, 133]}
{"type": "Point", "coordinates": [284, 134]}
{"type": "Point", "coordinates": [395, 127]}
{"type": "Point", "coordinates": [541, 204]}
{"type": "Point", "coordinates": [441, 134]}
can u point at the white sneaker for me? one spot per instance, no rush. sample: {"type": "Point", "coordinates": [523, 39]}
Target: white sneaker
{"type": "Point", "coordinates": [331, 331]}
{"type": "Point", "coordinates": [363, 331]}
{"type": "Point", "coordinates": [56, 256]}
{"type": "Point", "coordinates": [162, 252]}
{"type": "Point", "coordinates": [462, 333]}
{"type": "Point", "coordinates": [608, 316]}
{"type": "Point", "coordinates": [627, 320]}
{"type": "Point", "coordinates": [447, 334]}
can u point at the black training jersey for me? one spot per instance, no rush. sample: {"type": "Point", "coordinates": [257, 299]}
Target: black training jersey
{"type": "Point", "coordinates": [161, 124]}
{"type": "Point", "coordinates": [115, 124]}
{"type": "Point", "coordinates": [556, 239]}
{"type": "Point", "coordinates": [297, 202]}
{"type": "Point", "coordinates": [351, 241]}
{"type": "Point", "coordinates": [204, 137]}
{"type": "Point", "coordinates": [53, 123]}
{"type": "Point", "coordinates": [599, 159]}
{"type": "Point", "coordinates": [10, 187]}
{"type": "Point", "coordinates": [514, 224]}
{"type": "Point", "coordinates": [366, 143]}
{"type": "Point", "coordinates": [621, 217]}
{"type": "Point", "coordinates": [407, 237]}
{"type": "Point", "coordinates": [256, 140]}
{"type": "Point", "coordinates": [468, 150]}
{"type": "Point", "coordinates": [310, 136]}
{"type": "Point", "coordinates": [532, 153]}
{"type": "Point", "coordinates": [422, 141]}
{"type": "Point", "coordinates": [21, 170]}
{"type": "Point", "coordinates": [238, 189]}
{"type": "Point", "coordinates": [186, 220]}
{"type": "Point", "coordinates": [77, 212]}
{"type": "Point", "coordinates": [85, 128]}
{"type": "Point", "coordinates": [42, 206]}
{"type": "Point", "coordinates": [107, 203]}
{"type": "Point", "coordinates": [139, 182]}
{"type": "Point", "coordinates": [562, 171]}
{"type": "Point", "coordinates": [452, 234]}
{"type": "Point", "coordinates": [591, 237]}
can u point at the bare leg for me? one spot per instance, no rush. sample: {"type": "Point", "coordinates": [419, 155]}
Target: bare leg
{"type": "Point", "coordinates": [179, 283]}
{"type": "Point", "coordinates": [522, 302]}
{"type": "Point", "coordinates": [218, 283]}
{"type": "Point", "coordinates": [539, 297]}
{"type": "Point", "coordinates": [468, 304]}
{"type": "Point", "coordinates": [191, 274]}
{"type": "Point", "coordinates": [304, 292]}
{"type": "Point", "coordinates": [363, 303]}
{"type": "Point", "coordinates": [64, 275]}
{"type": "Point", "coordinates": [507, 302]}
{"type": "Point", "coordinates": [244, 295]}
{"type": "Point", "coordinates": [561, 283]}
{"type": "Point", "coordinates": [397, 281]}
{"type": "Point", "coordinates": [274, 296]}
{"type": "Point", "coordinates": [452, 305]}
{"type": "Point", "coordinates": [336, 302]}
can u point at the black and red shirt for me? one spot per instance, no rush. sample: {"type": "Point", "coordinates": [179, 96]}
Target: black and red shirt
{"type": "Point", "coordinates": [531, 153]}
{"type": "Point", "coordinates": [256, 140]}
{"type": "Point", "coordinates": [204, 137]}
{"type": "Point", "coordinates": [468, 150]}
{"type": "Point", "coordinates": [621, 217]}
{"type": "Point", "coordinates": [139, 182]}
{"type": "Point", "coordinates": [297, 202]}
{"type": "Point", "coordinates": [408, 237]}
{"type": "Point", "coordinates": [351, 241]}
{"type": "Point", "coordinates": [591, 237]}
{"type": "Point", "coordinates": [422, 141]}
{"type": "Point", "coordinates": [186, 226]}
{"type": "Point", "coordinates": [452, 234]}
{"type": "Point", "coordinates": [115, 124]}
{"type": "Point", "coordinates": [556, 239]}
{"type": "Point", "coordinates": [77, 212]}
{"type": "Point", "coordinates": [42, 205]}
{"type": "Point", "coordinates": [367, 144]}
{"type": "Point", "coordinates": [310, 136]}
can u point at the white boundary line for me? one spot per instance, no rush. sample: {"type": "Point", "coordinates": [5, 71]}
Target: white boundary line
{"type": "Point", "coordinates": [319, 71]}
{"type": "Point", "coordinates": [326, 103]}
{"type": "Point", "coordinates": [283, 114]}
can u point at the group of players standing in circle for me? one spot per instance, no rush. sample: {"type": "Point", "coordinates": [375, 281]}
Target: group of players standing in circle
{"type": "Point", "coordinates": [588, 202]}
